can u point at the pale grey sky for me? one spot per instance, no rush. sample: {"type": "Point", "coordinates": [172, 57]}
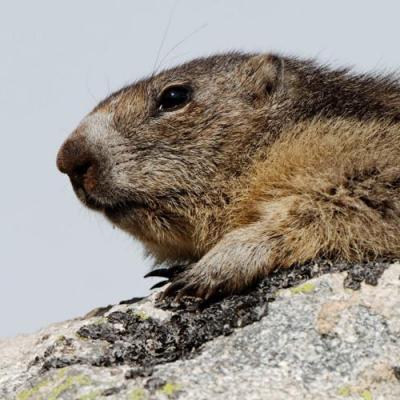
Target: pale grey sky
{"type": "Point", "coordinates": [59, 58]}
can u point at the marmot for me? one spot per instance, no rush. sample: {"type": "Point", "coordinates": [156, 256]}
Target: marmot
{"type": "Point", "coordinates": [239, 164]}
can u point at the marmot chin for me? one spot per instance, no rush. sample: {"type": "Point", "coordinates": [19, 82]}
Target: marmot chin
{"type": "Point", "coordinates": [239, 164]}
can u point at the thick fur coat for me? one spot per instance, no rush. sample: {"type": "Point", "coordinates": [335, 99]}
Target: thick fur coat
{"type": "Point", "coordinates": [263, 162]}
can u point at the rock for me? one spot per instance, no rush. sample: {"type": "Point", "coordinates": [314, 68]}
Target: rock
{"type": "Point", "coordinates": [316, 331]}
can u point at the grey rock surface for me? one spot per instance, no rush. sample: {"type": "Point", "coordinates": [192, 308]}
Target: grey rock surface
{"type": "Point", "coordinates": [305, 333]}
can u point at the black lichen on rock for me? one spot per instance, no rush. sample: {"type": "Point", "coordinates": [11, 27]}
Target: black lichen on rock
{"type": "Point", "coordinates": [148, 342]}
{"type": "Point", "coordinates": [368, 273]}
{"type": "Point", "coordinates": [396, 371]}
{"type": "Point", "coordinates": [145, 342]}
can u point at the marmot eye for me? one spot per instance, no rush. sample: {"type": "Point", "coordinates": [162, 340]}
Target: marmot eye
{"type": "Point", "coordinates": [174, 97]}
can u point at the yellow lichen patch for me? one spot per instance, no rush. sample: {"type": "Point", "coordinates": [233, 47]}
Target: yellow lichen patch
{"type": "Point", "coordinates": [29, 393]}
{"type": "Point", "coordinates": [347, 391]}
{"type": "Point", "coordinates": [305, 288]}
{"type": "Point", "coordinates": [142, 315]}
{"type": "Point", "coordinates": [366, 395]}
{"type": "Point", "coordinates": [61, 373]}
{"type": "Point", "coordinates": [170, 389]}
{"type": "Point", "coordinates": [137, 394]}
{"type": "Point", "coordinates": [100, 321]}
{"type": "Point", "coordinates": [344, 391]}
{"type": "Point", "coordinates": [68, 383]}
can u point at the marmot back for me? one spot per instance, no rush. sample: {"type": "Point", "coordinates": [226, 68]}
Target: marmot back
{"type": "Point", "coordinates": [238, 164]}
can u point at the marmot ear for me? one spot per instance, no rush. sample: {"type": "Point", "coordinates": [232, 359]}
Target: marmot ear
{"type": "Point", "coordinates": [263, 75]}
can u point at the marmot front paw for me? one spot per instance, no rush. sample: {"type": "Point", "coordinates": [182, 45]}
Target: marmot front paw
{"type": "Point", "coordinates": [233, 265]}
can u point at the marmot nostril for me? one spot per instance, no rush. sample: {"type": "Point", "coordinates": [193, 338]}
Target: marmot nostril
{"type": "Point", "coordinates": [79, 172]}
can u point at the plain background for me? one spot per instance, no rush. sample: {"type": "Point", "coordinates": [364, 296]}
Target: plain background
{"type": "Point", "coordinates": [59, 58]}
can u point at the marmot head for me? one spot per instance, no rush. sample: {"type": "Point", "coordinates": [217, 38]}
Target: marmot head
{"type": "Point", "coordinates": [153, 154]}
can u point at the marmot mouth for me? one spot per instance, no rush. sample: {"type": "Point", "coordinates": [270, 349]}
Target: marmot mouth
{"type": "Point", "coordinates": [121, 210]}
{"type": "Point", "coordinates": [112, 211]}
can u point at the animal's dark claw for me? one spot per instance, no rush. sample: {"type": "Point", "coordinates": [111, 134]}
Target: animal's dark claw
{"type": "Point", "coordinates": [161, 272]}
{"type": "Point", "coordinates": [159, 284]}
{"type": "Point", "coordinates": [168, 273]}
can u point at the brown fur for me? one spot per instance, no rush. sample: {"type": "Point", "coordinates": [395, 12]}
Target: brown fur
{"type": "Point", "coordinates": [275, 161]}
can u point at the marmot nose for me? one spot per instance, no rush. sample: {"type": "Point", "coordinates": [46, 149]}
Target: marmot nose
{"type": "Point", "coordinates": [75, 160]}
